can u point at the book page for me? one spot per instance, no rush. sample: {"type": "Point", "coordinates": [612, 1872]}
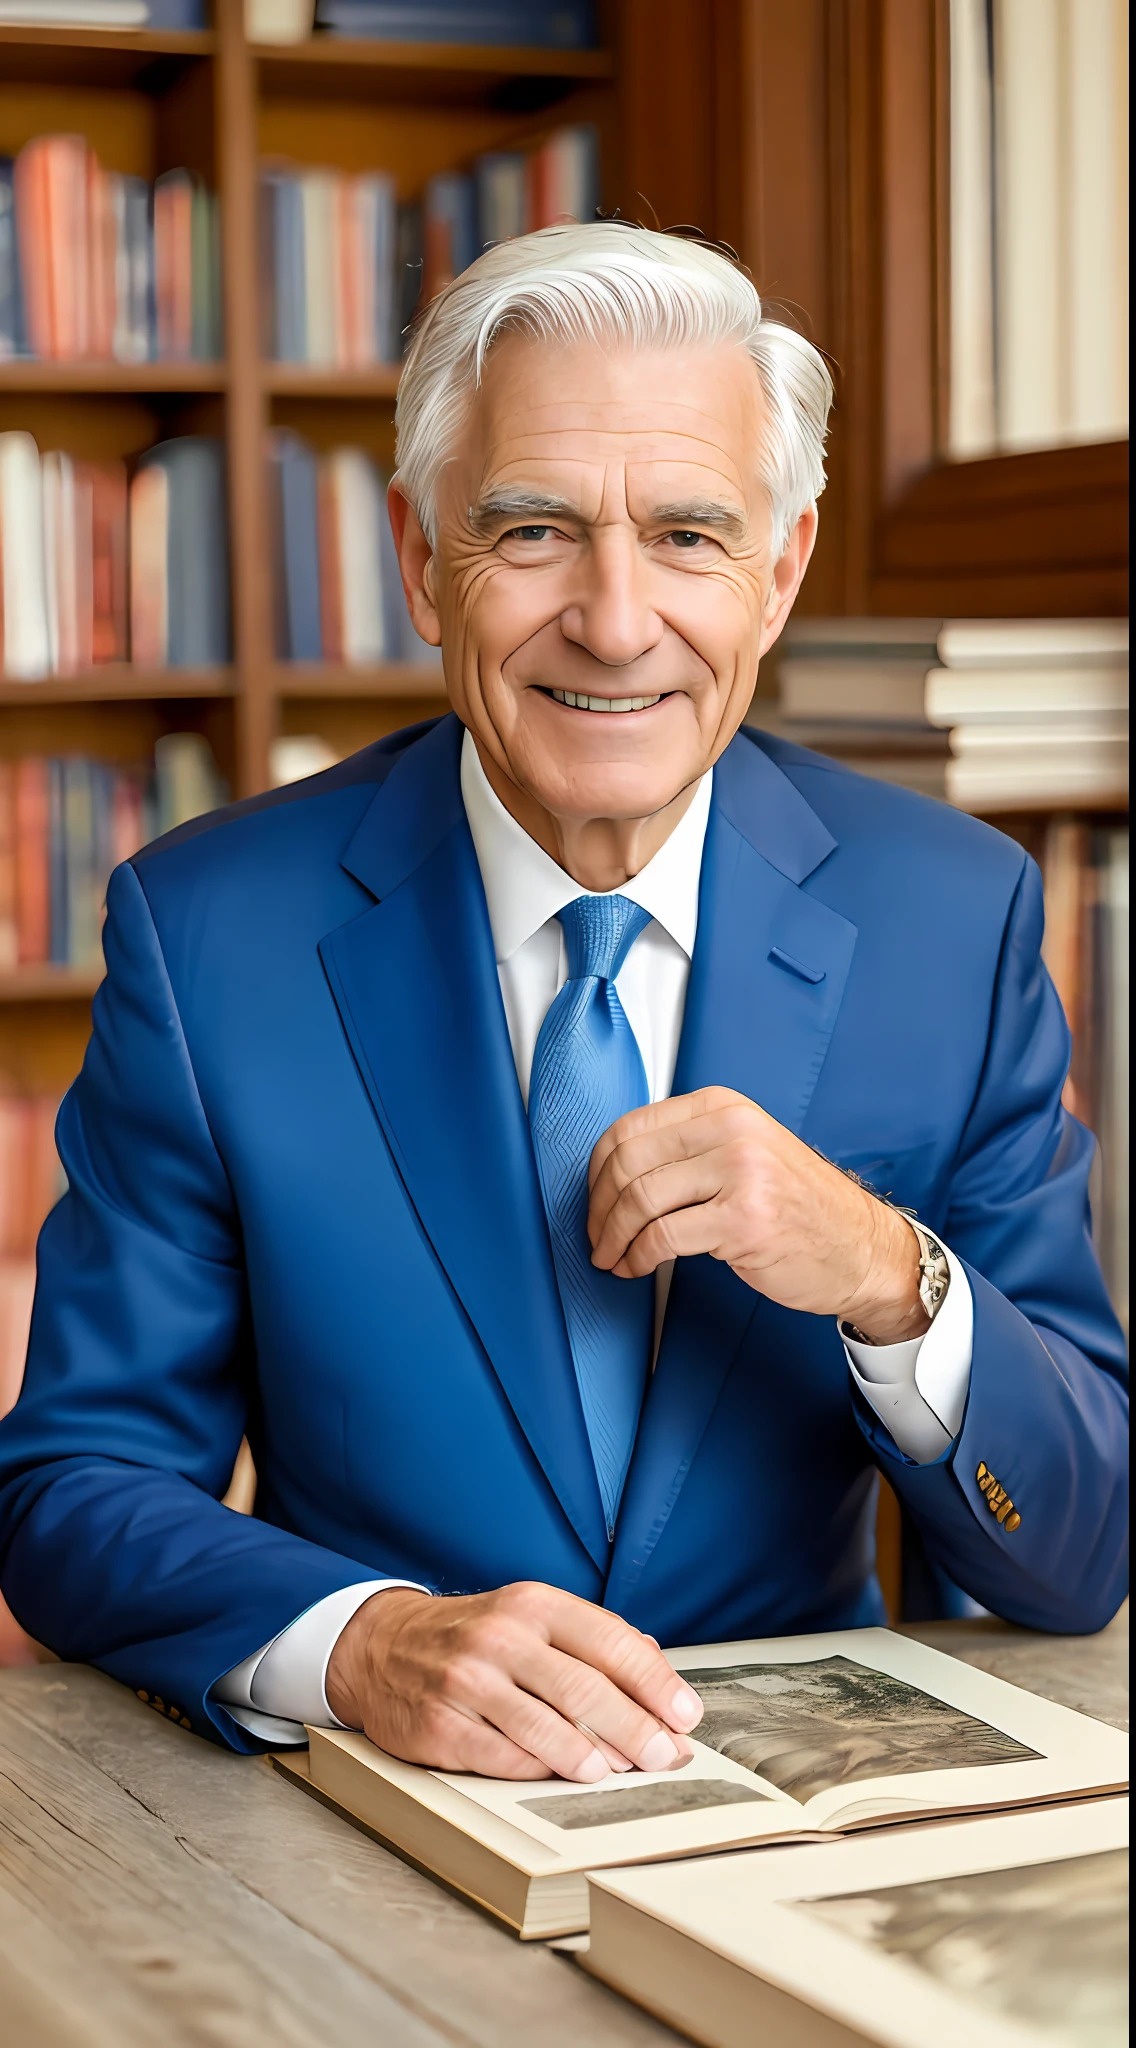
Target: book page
{"type": "Point", "coordinates": [862, 1724]}
{"type": "Point", "coordinates": [1011, 1928]}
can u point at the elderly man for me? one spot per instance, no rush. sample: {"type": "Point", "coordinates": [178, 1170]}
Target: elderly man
{"type": "Point", "coordinates": [508, 1128]}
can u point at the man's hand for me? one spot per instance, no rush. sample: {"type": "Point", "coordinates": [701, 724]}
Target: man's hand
{"type": "Point", "coordinates": [520, 1683]}
{"type": "Point", "coordinates": [711, 1172]}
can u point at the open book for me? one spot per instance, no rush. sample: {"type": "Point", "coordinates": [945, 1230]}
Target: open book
{"type": "Point", "coordinates": [802, 1736]}
{"type": "Point", "coordinates": [1012, 1929]}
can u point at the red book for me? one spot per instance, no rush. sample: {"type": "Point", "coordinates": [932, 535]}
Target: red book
{"type": "Point", "coordinates": [101, 249]}
{"type": "Point", "coordinates": [108, 561]}
{"type": "Point", "coordinates": [33, 873]}
{"type": "Point", "coordinates": [149, 584]}
{"type": "Point", "coordinates": [9, 935]}
{"type": "Point", "coordinates": [51, 186]}
{"type": "Point", "coordinates": [173, 265]}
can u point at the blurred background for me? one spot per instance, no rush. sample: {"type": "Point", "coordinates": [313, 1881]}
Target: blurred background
{"type": "Point", "coordinates": [217, 218]}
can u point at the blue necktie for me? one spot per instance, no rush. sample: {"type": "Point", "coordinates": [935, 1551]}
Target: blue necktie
{"type": "Point", "coordinates": [587, 1071]}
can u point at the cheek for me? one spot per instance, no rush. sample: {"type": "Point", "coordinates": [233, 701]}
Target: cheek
{"type": "Point", "coordinates": [719, 616]}
{"type": "Point", "coordinates": [503, 609]}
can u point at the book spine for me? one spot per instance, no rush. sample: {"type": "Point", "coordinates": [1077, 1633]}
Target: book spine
{"type": "Point", "coordinates": [148, 566]}
{"type": "Point", "coordinates": [101, 246]}
{"type": "Point", "coordinates": [330, 573]}
{"type": "Point", "coordinates": [26, 654]}
{"type": "Point", "coordinates": [60, 943]}
{"type": "Point", "coordinates": [13, 335]}
{"type": "Point", "coordinates": [300, 551]}
{"type": "Point", "coordinates": [108, 562]}
{"type": "Point", "coordinates": [173, 265]}
{"type": "Point", "coordinates": [80, 864]}
{"type": "Point", "coordinates": [9, 928]}
{"type": "Point", "coordinates": [33, 863]}
{"type": "Point", "coordinates": [196, 552]}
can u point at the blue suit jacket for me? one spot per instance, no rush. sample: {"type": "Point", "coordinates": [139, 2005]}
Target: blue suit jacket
{"type": "Point", "coordinates": [303, 1203]}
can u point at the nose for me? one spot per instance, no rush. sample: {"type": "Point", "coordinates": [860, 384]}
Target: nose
{"type": "Point", "coordinates": [611, 615]}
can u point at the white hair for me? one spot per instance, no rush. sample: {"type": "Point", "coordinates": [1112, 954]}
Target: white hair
{"type": "Point", "coordinates": [604, 282]}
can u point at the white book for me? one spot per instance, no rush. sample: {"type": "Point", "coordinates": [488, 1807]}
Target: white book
{"type": "Point", "coordinates": [1064, 784]}
{"type": "Point", "coordinates": [801, 1735]}
{"type": "Point", "coordinates": [26, 651]}
{"type": "Point", "coordinates": [1095, 61]}
{"type": "Point", "coordinates": [1033, 643]}
{"type": "Point", "coordinates": [997, 696]}
{"type": "Point", "coordinates": [1009, 1931]}
{"type": "Point", "coordinates": [1084, 740]}
{"type": "Point", "coordinates": [906, 635]}
{"type": "Point", "coordinates": [74, 13]}
{"type": "Point", "coordinates": [1030, 323]}
{"type": "Point", "coordinates": [319, 195]}
{"type": "Point", "coordinates": [972, 420]}
{"type": "Point", "coordinates": [859, 687]}
{"type": "Point", "coordinates": [357, 496]}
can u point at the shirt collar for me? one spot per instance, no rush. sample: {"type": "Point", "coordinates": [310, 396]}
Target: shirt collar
{"type": "Point", "coordinates": [524, 887]}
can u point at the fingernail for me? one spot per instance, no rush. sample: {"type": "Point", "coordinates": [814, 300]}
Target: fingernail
{"type": "Point", "coordinates": [593, 1767]}
{"type": "Point", "coordinates": [660, 1754]}
{"type": "Point", "coordinates": [686, 1708]}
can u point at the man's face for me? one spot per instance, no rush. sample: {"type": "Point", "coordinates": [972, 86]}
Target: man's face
{"type": "Point", "coordinates": [604, 541]}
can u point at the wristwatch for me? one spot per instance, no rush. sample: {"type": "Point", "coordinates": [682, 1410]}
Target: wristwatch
{"type": "Point", "coordinates": [934, 1271]}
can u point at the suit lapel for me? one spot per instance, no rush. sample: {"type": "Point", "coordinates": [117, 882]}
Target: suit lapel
{"type": "Point", "coordinates": [416, 985]}
{"type": "Point", "coordinates": [766, 983]}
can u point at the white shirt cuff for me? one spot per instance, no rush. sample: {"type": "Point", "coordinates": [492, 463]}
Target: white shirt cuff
{"type": "Point", "coordinates": [919, 1389]}
{"type": "Point", "coordinates": [280, 1687]}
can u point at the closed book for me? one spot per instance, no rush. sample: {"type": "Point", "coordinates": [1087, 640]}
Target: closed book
{"type": "Point", "coordinates": [102, 253]}
{"type": "Point", "coordinates": [59, 951]}
{"type": "Point", "coordinates": [450, 242]}
{"type": "Point", "coordinates": [73, 13]}
{"type": "Point", "coordinates": [382, 201]}
{"type": "Point", "coordinates": [183, 15]}
{"type": "Point", "coordinates": [1034, 643]}
{"type": "Point", "coordinates": [800, 1736]}
{"type": "Point", "coordinates": [282, 266]}
{"type": "Point", "coordinates": [133, 269]}
{"type": "Point", "coordinates": [1058, 779]}
{"type": "Point", "coordinates": [861, 687]}
{"type": "Point", "coordinates": [33, 860]}
{"type": "Point", "coordinates": [24, 653]}
{"type": "Point", "coordinates": [52, 222]}
{"type": "Point", "coordinates": [330, 578]}
{"type": "Point", "coordinates": [294, 478]}
{"type": "Point", "coordinates": [13, 338]}
{"type": "Point", "coordinates": [68, 559]}
{"type": "Point", "coordinates": [197, 553]}
{"type": "Point", "coordinates": [108, 561]}
{"type": "Point", "coordinates": [319, 203]}
{"type": "Point", "coordinates": [81, 864]}
{"type": "Point", "coordinates": [554, 24]}
{"type": "Point", "coordinates": [205, 276]}
{"type": "Point", "coordinates": [1000, 695]}
{"type": "Point", "coordinates": [173, 265]}
{"type": "Point", "coordinates": [1012, 1929]}
{"type": "Point", "coordinates": [149, 566]}
{"type": "Point", "coordinates": [366, 260]}
{"type": "Point", "coordinates": [188, 784]}
{"type": "Point", "coordinates": [356, 494]}
{"type": "Point", "coordinates": [502, 198]}
{"type": "Point", "coordinates": [9, 928]}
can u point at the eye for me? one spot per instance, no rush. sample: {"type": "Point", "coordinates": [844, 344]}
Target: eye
{"type": "Point", "coordinates": [684, 539]}
{"type": "Point", "coordinates": [528, 533]}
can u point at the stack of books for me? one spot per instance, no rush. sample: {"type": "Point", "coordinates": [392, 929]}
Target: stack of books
{"type": "Point", "coordinates": [847, 1752]}
{"type": "Point", "coordinates": [549, 24]}
{"type": "Point", "coordinates": [97, 566]}
{"type": "Point", "coordinates": [99, 266]}
{"type": "Point", "coordinates": [338, 592]}
{"type": "Point", "coordinates": [344, 265]}
{"type": "Point", "coordinates": [995, 715]}
{"type": "Point", "coordinates": [1037, 711]}
{"type": "Point", "coordinates": [66, 822]}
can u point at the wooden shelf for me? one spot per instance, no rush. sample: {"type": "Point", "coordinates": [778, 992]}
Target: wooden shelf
{"type": "Point", "coordinates": [128, 379]}
{"type": "Point", "coordinates": [387, 679]}
{"type": "Point", "coordinates": [316, 380]}
{"type": "Point", "coordinates": [118, 680]}
{"type": "Point", "coordinates": [99, 56]}
{"type": "Point", "coordinates": [49, 984]}
{"type": "Point", "coordinates": [366, 68]}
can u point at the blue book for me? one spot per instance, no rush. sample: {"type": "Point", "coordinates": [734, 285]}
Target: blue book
{"type": "Point", "coordinates": [545, 24]}
{"type": "Point", "coordinates": [282, 233]}
{"type": "Point", "coordinates": [13, 337]}
{"type": "Point", "coordinates": [295, 479]}
{"type": "Point", "coordinates": [176, 14]}
{"type": "Point", "coordinates": [451, 201]}
{"type": "Point", "coordinates": [197, 558]}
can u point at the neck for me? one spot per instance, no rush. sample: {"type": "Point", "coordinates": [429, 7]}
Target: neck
{"type": "Point", "coordinates": [599, 853]}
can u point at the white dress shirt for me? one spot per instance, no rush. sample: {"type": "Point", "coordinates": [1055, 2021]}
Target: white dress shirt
{"type": "Point", "coordinates": [918, 1389]}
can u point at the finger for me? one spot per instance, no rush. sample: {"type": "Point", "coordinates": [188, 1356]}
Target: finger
{"type": "Point", "coordinates": [738, 1123]}
{"type": "Point", "coordinates": [658, 1116]}
{"type": "Point", "coordinates": [538, 1729]}
{"type": "Point", "coordinates": [589, 1699]}
{"type": "Point", "coordinates": [681, 1234]}
{"type": "Point", "coordinates": [608, 1643]}
{"type": "Point", "coordinates": [450, 1740]}
{"type": "Point", "coordinates": [683, 1184]}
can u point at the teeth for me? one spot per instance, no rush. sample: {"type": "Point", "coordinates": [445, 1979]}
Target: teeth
{"type": "Point", "coordinates": [581, 703]}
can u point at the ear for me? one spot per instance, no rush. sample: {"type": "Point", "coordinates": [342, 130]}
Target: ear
{"type": "Point", "coordinates": [416, 563]}
{"type": "Point", "coordinates": [787, 577]}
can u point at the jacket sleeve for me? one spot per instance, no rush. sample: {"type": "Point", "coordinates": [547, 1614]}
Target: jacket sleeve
{"type": "Point", "coordinates": [115, 1549]}
{"type": "Point", "coordinates": [1046, 1420]}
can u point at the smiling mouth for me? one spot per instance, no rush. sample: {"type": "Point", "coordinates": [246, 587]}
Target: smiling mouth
{"type": "Point", "coordinates": [576, 701]}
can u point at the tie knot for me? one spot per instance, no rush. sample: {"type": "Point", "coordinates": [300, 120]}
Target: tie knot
{"type": "Point", "coordinates": [599, 932]}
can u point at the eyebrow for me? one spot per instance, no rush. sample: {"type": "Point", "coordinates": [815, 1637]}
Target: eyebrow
{"type": "Point", "coordinates": [716, 513]}
{"type": "Point", "coordinates": [524, 506]}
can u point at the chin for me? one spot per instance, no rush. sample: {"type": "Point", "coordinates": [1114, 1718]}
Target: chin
{"type": "Point", "coordinates": [575, 770]}
{"type": "Point", "coordinates": [617, 789]}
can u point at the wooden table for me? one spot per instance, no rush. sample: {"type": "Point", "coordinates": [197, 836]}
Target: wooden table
{"type": "Point", "coordinates": [154, 1889]}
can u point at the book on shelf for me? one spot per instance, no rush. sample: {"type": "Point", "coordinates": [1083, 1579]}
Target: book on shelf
{"type": "Point", "coordinates": [550, 24]}
{"type": "Point", "coordinates": [801, 1736]}
{"type": "Point", "coordinates": [93, 571]}
{"type": "Point", "coordinates": [66, 822]}
{"type": "Point", "coordinates": [152, 14]}
{"type": "Point", "coordinates": [1011, 1929]}
{"type": "Point", "coordinates": [337, 589]}
{"type": "Point", "coordinates": [1033, 643]}
{"type": "Point", "coordinates": [343, 265]}
{"type": "Point", "coordinates": [97, 267]}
